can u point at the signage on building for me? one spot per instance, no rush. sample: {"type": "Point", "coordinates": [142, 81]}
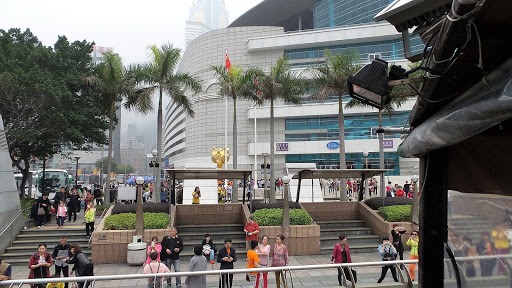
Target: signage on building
{"type": "Point", "coordinates": [282, 146]}
{"type": "Point", "coordinates": [333, 145]}
{"type": "Point", "coordinates": [387, 143]}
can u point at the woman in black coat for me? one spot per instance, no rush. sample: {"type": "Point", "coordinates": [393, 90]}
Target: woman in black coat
{"type": "Point", "coordinates": [82, 265]}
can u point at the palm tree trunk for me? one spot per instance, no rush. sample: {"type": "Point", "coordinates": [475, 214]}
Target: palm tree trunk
{"type": "Point", "coordinates": [381, 157]}
{"type": "Point", "coordinates": [109, 156]}
{"type": "Point", "coordinates": [343, 164]}
{"type": "Point", "coordinates": [272, 186]}
{"type": "Point", "coordinates": [234, 198]}
{"type": "Point", "coordinates": [157, 189]}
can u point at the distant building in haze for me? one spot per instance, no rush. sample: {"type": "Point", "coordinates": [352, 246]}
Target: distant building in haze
{"type": "Point", "coordinates": [204, 16]}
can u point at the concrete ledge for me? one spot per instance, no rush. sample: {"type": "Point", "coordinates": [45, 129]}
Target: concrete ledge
{"type": "Point", "coordinates": [205, 214]}
{"type": "Point", "coordinates": [335, 210]}
{"type": "Point", "coordinates": [383, 228]}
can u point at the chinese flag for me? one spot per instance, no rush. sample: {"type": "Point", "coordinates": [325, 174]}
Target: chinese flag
{"type": "Point", "coordinates": [228, 64]}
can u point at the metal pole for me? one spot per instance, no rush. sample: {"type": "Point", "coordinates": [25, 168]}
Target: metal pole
{"type": "Point", "coordinates": [154, 179]}
{"type": "Point", "coordinates": [76, 171]}
{"type": "Point", "coordinates": [139, 222]}
{"type": "Point", "coordinates": [286, 203]}
{"type": "Point", "coordinates": [366, 190]}
{"type": "Point", "coordinates": [381, 158]}
{"type": "Point", "coordinates": [265, 179]}
{"type": "Point", "coordinates": [226, 136]}
{"type": "Point", "coordinates": [255, 154]}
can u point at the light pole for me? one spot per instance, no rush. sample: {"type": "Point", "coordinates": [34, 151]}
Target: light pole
{"type": "Point", "coordinates": [366, 194]}
{"type": "Point", "coordinates": [76, 171]}
{"type": "Point", "coordinates": [156, 193]}
{"type": "Point", "coordinates": [139, 221]}
{"type": "Point", "coordinates": [265, 198]}
{"type": "Point", "coordinates": [415, 201]}
{"type": "Point", "coordinates": [286, 203]}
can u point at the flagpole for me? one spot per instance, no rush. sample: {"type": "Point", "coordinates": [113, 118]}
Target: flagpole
{"type": "Point", "coordinates": [255, 154]}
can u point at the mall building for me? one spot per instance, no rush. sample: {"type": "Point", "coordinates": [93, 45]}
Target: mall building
{"type": "Point", "coordinates": [301, 30]}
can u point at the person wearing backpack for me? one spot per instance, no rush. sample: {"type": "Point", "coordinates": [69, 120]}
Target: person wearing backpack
{"type": "Point", "coordinates": [387, 253]}
{"type": "Point", "coordinates": [155, 267]}
{"type": "Point", "coordinates": [82, 266]}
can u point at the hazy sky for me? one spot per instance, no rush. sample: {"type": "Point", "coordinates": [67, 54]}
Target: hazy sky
{"type": "Point", "coordinates": [127, 26]}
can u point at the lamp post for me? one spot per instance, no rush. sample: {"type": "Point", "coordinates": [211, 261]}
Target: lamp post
{"type": "Point", "coordinates": [366, 193]}
{"type": "Point", "coordinates": [286, 203]}
{"type": "Point", "coordinates": [76, 171]}
{"type": "Point", "coordinates": [139, 221]}
{"type": "Point", "coordinates": [156, 193]}
{"type": "Point", "coordinates": [265, 155]}
{"type": "Point", "coordinates": [415, 201]}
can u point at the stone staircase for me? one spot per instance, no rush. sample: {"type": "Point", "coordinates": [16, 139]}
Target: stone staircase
{"type": "Point", "coordinates": [26, 243]}
{"type": "Point", "coordinates": [194, 234]}
{"type": "Point", "coordinates": [470, 226]}
{"type": "Point", "coordinates": [360, 237]}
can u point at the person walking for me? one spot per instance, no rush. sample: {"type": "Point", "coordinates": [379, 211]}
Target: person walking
{"type": "Point", "coordinates": [154, 267]}
{"type": "Point", "coordinates": [90, 214]}
{"type": "Point", "coordinates": [73, 205]}
{"type": "Point", "coordinates": [154, 246]}
{"type": "Point", "coordinates": [388, 253]}
{"type": "Point", "coordinates": [61, 255]}
{"type": "Point", "coordinates": [280, 258]}
{"type": "Point", "coordinates": [226, 257]}
{"type": "Point", "coordinates": [197, 263]}
{"type": "Point", "coordinates": [172, 245]}
{"type": "Point", "coordinates": [196, 195]}
{"type": "Point", "coordinates": [82, 265]}
{"type": "Point", "coordinates": [61, 214]}
{"type": "Point", "coordinates": [501, 245]}
{"type": "Point", "coordinates": [39, 265]}
{"type": "Point", "coordinates": [208, 248]}
{"type": "Point", "coordinates": [251, 232]}
{"type": "Point", "coordinates": [340, 255]}
{"type": "Point", "coordinates": [413, 241]}
{"type": "Point", "coordinates": [98, 195]}
{"type": "Point", "coordinates": [43, 210]}
{"type": "Point", "coordinates": [263, 253]}
{"type": "Point", "coordinates": [486, 248]}
{"type": "Point", "coordinates": [253, 262]}
{"type": "Point", "coordinates": [396, 233]}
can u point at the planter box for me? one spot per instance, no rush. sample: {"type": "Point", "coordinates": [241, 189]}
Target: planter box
{"type": "Point", "coordinates": [110, 246]}
{"type": "Point", "coordinates": [300, 239]}
{"type": "Point", "coordinates": [332, 210]}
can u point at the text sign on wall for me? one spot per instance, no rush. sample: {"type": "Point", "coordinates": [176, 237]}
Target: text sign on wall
{"type": "Point", "coordinates": [333, 145]}
{"type": "Point", "coordinates": [387, 143]}
{"type": "Point", "coordinates": [282, 146]}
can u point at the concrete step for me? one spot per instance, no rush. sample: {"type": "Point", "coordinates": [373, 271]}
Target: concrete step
{"type": "Point", "coordinates": [347, 231]}
{"type": "Point", "coordinates": [51, 235]}
{"type": "Point", "coordinates": [209, 228]}
{"type": "Point", "coordinates": [82, 240]}
{"type": "Point", "coordinates": [341, 224]}
{"type": "Point", "coordinates": [33, 247]}
{"type": "Point", "coordinates": [35, 231]}
{"type": "Point", "coordinates": [353, 249]}
{"type": "Point", "coordinates": [217, 237]}
{"type": "Point", "coordinates": [14, 254]}
{"type": "Point", "coordinates": [368, 239]}
{"type": "Point", "coordinates": [22, 260]}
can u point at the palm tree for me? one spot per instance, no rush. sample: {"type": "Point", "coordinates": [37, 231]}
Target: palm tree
{"type": "Point", "coordinates": [279, 83]}
{"type": "Point", "coordinates": [160, 75]}
{"type": "Point", "coordinates": [114, 82]}
{"type": "Point", "coordinates": [236, 83]}
{"type": "Point", "coordinates": [330, 79]}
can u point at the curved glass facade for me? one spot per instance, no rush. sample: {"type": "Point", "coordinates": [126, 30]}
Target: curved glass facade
{"type": "Point", "coordinates": [332, 13]}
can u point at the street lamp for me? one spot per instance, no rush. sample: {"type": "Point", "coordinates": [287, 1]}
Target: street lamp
{"type": "Point", "coordinates": [415, 201]}
{"type": "Point", "coordinates": [139, 221]}
{"type": "Point", "coordinates": [286, 203]}
{"type": "Point", "coordinates": [366, 193]}
{"type": "Point", "coordinates": [265, 167]}
{"type": "Point", "coordinates": [155, 164]}
{"type": "Point", "coordinates": [76, 171]}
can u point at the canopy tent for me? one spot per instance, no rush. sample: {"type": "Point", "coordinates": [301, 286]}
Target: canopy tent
{"type": "Point", "coordinates": [336, 173]}
{"type": "Point", "coordinates": [190, 174]}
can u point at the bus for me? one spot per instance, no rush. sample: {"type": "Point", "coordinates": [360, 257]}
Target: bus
{"type": "Point", "coordinates": [54, 180]}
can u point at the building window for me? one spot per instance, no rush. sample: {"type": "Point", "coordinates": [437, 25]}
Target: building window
{"type": "Point", "coordinates": [373, 56]}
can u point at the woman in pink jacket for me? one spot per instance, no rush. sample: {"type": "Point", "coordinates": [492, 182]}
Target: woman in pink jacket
{"type": "Point", "coordinates": [341, 254]}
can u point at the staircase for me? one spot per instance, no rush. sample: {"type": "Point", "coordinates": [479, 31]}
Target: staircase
{"type": "Point", "coordinates": [26, 243]}
{"type": "Point", "coordinates": [360, 237]}
{"type": "Point", "coordinates": [470, 226]}
{"type": "Point", "coordinates": [194, 234]}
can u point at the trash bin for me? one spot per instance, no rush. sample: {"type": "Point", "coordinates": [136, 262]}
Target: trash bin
{"type": "Point", "coordinates": [136, 254]}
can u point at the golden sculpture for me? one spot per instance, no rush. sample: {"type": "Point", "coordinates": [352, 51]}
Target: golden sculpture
{"type": "Point", "coordinates": [218, 157]}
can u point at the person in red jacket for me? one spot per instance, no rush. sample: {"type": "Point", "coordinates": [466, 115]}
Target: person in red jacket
{"type": "Point", "coordinates": [341, 254]}
{"type": "Point", "coordinates": [400, 192]}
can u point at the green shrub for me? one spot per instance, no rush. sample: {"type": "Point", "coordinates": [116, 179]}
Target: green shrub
{"type": "Point", "coordinates": [126, 221]}
{"type": "Point", "coordinates": [257, 205]}
{"type": "Point", "coordinates": [397, 213]}
{"type": "Point", "coordinates": [148, 207]}
{"type": "Point", "coordinates": [26, 204]}
{"type": "Point", "coordinates": [376, 202]}
{"type": "Point", "coordinates": [274, 217]}
{"type": "Point", "coordinates": [102, 207]}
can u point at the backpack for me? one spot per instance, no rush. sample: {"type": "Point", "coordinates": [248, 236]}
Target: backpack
{"type": "Point", "coordinates": [159, 283]}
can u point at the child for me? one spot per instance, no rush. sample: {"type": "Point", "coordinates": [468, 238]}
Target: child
{"type": "Point", "coordinates": [61, 214]}
{"type": "Point", "coordinates": [89, 215]}
{"type": "Point", "coordinates": [55, 284]}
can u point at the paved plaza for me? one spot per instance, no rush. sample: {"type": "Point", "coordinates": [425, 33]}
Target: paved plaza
{"type": "Point", "coordinates": [319, 278]}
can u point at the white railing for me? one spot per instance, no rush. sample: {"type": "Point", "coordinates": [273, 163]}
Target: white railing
{"type": "Point", "coordinates": [405, 279]}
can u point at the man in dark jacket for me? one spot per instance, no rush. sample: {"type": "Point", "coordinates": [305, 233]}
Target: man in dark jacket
{"type": "Point", "coordinates": [397, 240]}
{"type": "Point", "coordinates": [226, 257]}
{"type": "Point", "coordinates": [61, 255]}
{"type": "Point", "coordinates": [73, 204]}
{"type": "Point", "coordinates": [172, 245]}
{"type": "Point", "coordinates": [208, 248]}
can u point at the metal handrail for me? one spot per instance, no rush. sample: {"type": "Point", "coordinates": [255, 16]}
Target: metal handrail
{"type": "Point", "coordinates": [96, 225]}
{"type": "Point", "coordinates": [209, 272]}
{"type": "Point", "coordinates": [12, 221]}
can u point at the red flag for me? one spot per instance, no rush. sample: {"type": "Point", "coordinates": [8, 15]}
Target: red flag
{"type": "Point", "coordinates": [228, 64]}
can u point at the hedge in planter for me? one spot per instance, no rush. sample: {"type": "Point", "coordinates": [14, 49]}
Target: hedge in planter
{"type": "Point", "coordinates": [397, 213]}
{"type": "Point", "coordinates": [146, 207]}
{"type": "Point", "coordinates": [258, 205]}
{"type": "Point", "coordinates": [274, 217]}
{"type": "Point", "coordinates": [376, 203]}
{"type": "Point", "coordinates": [126, 221]}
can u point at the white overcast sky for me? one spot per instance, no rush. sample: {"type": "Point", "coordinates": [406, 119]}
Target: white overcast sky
{"type": "Point", "coordinates": [127, 26]}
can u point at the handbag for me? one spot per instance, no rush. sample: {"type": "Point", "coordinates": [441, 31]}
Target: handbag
{"type": "Point", "coordinates": [354, 274]}
{"type": "Point", "coordinates": [41, 211]}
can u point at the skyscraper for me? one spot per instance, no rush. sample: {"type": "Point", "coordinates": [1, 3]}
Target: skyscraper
{"type": "Point", "coordinates": [205, 15]}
